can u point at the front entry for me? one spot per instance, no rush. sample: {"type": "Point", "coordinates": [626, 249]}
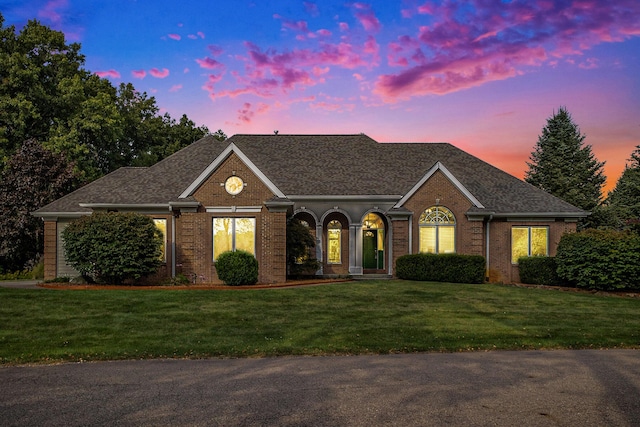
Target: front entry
{"type": "Point", "coordinates": [373, 243]}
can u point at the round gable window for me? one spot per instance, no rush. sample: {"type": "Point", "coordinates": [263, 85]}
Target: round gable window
{"type": "Point", "coordinates": [234, 185]}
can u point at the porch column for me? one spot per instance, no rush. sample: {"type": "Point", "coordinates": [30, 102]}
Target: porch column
{"type": "Point", "coordinates": [355, 249]}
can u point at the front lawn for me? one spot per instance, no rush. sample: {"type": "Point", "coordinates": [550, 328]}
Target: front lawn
{"type": "Point", "coordinates": [343, 318]}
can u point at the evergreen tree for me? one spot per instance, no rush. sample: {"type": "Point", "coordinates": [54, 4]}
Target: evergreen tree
{"type": "Point", "coordinates": [624, 200]}
{"type": "Point", "coordinates": [563, 166]}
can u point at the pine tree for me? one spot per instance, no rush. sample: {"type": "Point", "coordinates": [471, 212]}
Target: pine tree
{"type": "Point", "coordinates": [625, 197]}
{"type": "Point", "coordinates": [563, 166]}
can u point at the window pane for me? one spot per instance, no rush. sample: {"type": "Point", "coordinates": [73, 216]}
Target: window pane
{"type": "Point", "coordinates": [161, 224]}
{"type": "Point", "coordinates": [334, 246]}
{"type": "Point", "coordinates": [519, 243]}
{"type": "Point", "coordinates": [539, 239]}
{"type": "Point", "coordinates": [245, 235]}
{"type": "Point", "coordinates": [222, 237]}
{"type": "Point", "coordinates": [446, 240]}
{"type": "Point", "coordinates": [428, 240]}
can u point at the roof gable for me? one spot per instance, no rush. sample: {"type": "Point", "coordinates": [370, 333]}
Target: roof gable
{"type": "Point", "coordinates": [440, 167]}
{"type": "Point", "coordinates": [231, 148]}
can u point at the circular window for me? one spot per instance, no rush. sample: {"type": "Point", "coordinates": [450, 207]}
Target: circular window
{"type": "Point", "coordinates": [234, 185]}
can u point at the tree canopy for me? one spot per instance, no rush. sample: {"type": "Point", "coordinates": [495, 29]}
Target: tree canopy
{"type": "Point", "coordinates": [562, 165]}
{"type": "Point", "coordinates": [47, 95]}
{"type": "Point", "coordinates": [78, 119]}
{"type": "Point", "coordinates": [624, 199]}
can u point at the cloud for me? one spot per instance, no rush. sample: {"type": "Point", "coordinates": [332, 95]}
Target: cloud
{"type": "Point", "coordinates": [55, 14]}
{"type": "Point", "coordinates": [175, 88]}
{"type": "Point", "coordinates": [108, 74]}
{"type": "Point", "coordinates": [367, 17]}
{"type": "Point", "coordinates": [470, 43]}
{"type": "Point", "coordinates": [174, 36]}
{"type": "Point", "coordinates": [139, 74]}
{"type": "Point", "coordinates": [209, 63]}
{"type": "Point", "coordinates": [159, 74]}
{"type": "Point", "coordinates": [246, 113]}
{"type": "Point", "coordinates": [311, 8]}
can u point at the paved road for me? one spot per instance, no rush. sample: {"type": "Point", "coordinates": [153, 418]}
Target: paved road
{"type": "Point", "coordinates": [531, 388]}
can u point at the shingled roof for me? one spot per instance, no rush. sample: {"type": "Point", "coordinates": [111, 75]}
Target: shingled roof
{"type": "Point", "coordinates": [320, 165]}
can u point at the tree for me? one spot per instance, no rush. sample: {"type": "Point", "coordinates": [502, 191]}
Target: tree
{"type": "Point", "coordinates": [624, 200]}
{"type": "Point", "coordinates": [299, 241]}
{"type": "Point", "coordinates": [563, 166]}
{"type": "Point", "coordinates": [33, 177]}
{"type": "Point", "coordinates": [113, 247]}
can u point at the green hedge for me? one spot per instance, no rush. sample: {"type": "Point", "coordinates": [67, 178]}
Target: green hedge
{"type": "Point", "coordinates": [539, 270]}
{"type": "Point", "coordinates": [237, 268]}
{"type": "Point", "coordinates": [442, 268]}
{"type": "Point", "coordinates": [598, 259]}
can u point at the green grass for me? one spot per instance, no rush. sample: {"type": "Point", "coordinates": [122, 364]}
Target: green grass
{"type": "Point", "coordinates": [343, 318]}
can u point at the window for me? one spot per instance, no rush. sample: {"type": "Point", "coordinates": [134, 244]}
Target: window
{"type": "Point", "coordinates": [233, 234]}
{"type": "Point", "coordinates": [529, 241]}
{"type": "Point", "coordinates": [334, 242]}
{"type": "Point", "coordinates": [437, 231]}
{"type": "Point", "coordinates": [161, 224]}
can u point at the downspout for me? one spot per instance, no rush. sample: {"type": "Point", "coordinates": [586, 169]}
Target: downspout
{"type": "Point", "coordinates": [173, 246]}
{"type": "Point", "coordinates": [487, 239]}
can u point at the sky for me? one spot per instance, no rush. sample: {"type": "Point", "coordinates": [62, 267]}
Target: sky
{"type": "Point", "coordinates": [483, 75]}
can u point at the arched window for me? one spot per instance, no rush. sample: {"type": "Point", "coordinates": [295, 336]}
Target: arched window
{"type": "Point", "coordinates": [334, 242]}
{"type": "Point", "coordinates": [437, 231]}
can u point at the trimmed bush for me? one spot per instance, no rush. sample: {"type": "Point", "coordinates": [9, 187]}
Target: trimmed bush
{"type": "Point", "coordinates": [539, 270]}
{"type": "Point", "coordinates": [237, 268]}
{"type": "Point", "coordinates": [600, 259]}
{"type": "Point", "coordinates": [453, 268]}
{"type": "Point", "coordinates": [112, 247]}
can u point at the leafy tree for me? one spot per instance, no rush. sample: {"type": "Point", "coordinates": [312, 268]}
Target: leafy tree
{"type": "Point", "coordinates": [624, 200]}
{"type": "Point", "coordinates": [299, 240]}
{"type": "Point", "coordinates": [563, 166]}
{"type": "Point", "coordinates": [46, 94]}
{"type": "Point", "coordinates": [33, 177]}
{"type": "Point", "coordinates": [113, 247]}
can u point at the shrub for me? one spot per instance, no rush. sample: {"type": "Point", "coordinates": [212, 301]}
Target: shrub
{"type": "Point", "coordinates": [600, 259]}
{"type": "Point", "coordinates": [441, 268]}
{"type": "Point", "coordinates": [113, 247]}
{"type": "Point", "coordinates": [237, 268]}
{"type": "Point", "coordinates": [539, 270]}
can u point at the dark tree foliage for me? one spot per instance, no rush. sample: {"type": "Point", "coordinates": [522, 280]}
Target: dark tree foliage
{"type": "Point", "coordinates": [33, 177]}
{"type": "Point", "coordinates": [46, 94]}
{"type": "Point", "coordinates": [563, 166]}
{"type": "Point", "coordinates": [113, 247]}
{"type": "Point", "coordinates": [299, 241]}
{"type": "Point", "coordinates": [624, 200]}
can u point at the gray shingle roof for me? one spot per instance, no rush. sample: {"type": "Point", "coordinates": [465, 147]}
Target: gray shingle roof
{"type": "Point", "coordinates": [322, 165]}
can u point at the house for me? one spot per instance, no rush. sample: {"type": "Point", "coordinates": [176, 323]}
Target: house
{"type": "Point", "coordinates": [366, 203]}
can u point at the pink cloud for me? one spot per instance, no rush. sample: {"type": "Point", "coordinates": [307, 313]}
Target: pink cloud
{"type": "Point", "coordinates": [367, 17]}
{"type": "Point", "coordinates": [110, 74]}
{"type": "Point", "coordinates": [200, 34]}
{"type": "Point", "coordinates": [215, 50]}
{"type": "Point", "coordinates": [159, 74]}
{"type": "Point", "coordinates": [344, 26]}
{"type": "Point", "coordinates": [246, 113]}
{"type": "Point", "coordinates": [55, 14]}
{"type": "Point", "coordinates": [311, 8]}
{"type": "Point", "coordinates": [324, 33]}
{"type": "Point", "coordinates": [174, 36]}
{"type": "Point", "coordinates": [458, 50]}
{"type": "Point", "coordinates": [139, 74]}
{"type": "Point", "coordinates": [209, 63]}
{"type": "Point", "coordinates": [175, 88]}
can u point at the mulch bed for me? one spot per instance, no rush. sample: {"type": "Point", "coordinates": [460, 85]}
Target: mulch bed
{"type": "Point", "coordinates": [204, 286]}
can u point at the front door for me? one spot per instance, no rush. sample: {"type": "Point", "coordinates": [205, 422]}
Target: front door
{"type": "Point", "coordinates": [370, 249]}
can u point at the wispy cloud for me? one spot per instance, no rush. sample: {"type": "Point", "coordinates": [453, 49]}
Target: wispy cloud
{"type": "Point", "coordinates": [159, 74]}
{"type": "Point", "coordinates": [174, 36]}
{"type": "Point", "coordinates": [139, 74]}
{"type": "Point", "coordinates": [468, 44]}
{"type": "Point", "coordinates": [364, 13]}
{"type": "Point", "coordinates": [175, 88]}
{"type": "Point", "coordinates": [108, 74]}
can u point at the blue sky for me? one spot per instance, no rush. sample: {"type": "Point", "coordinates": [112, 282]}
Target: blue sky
{"type": "Point", "coordinates": [484, 75]}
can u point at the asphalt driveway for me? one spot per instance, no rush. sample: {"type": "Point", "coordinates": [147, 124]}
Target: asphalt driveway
{"type": "Point", "coordinates": [529, 388]}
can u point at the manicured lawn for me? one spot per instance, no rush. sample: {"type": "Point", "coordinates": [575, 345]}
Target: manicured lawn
{"type": "Point", "coordinates": [342, 318]}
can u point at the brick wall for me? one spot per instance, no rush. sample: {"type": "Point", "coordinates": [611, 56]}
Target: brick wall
{"type": "Point", "coordinates": [194, 242]}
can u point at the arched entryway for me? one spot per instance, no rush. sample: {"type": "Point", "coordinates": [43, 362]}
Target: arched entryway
{"type": "Point", "coordinates": [373, 243]}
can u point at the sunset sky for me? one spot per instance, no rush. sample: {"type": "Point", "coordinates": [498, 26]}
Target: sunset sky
{"type": "Point", "coordinates": [483, 75]}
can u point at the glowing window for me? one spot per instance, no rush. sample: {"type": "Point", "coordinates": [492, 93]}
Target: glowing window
{"type": "Point", "coordinates": [437, 232]}
{"type": "Point", "coordinates": [529, 241]}
{"type": "Point", "coordinates": [161, 224]}
{"type": "Point", "coordinates": [233, 234]}
{"type": "Point", "coordinates": [334, 242]}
